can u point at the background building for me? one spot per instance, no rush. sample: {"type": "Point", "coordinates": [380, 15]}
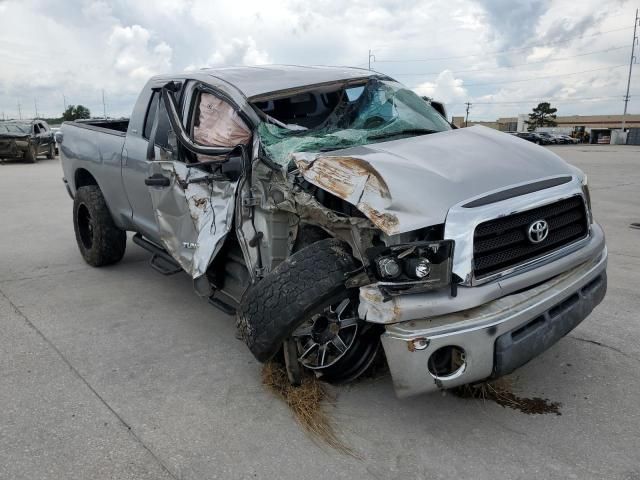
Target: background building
{"type": "Point", "coordinates": [517, 124]}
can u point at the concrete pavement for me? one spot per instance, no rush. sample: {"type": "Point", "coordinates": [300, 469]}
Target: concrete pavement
{"type": "Point", "coordinates": [120, 372]}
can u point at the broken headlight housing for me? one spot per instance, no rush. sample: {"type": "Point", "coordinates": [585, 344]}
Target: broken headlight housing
{"type": "Point", "coordinates": [413, 266]}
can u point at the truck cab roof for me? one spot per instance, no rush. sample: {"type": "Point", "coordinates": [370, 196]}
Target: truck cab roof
{"type": "Point", "coordinates": [257, 81]}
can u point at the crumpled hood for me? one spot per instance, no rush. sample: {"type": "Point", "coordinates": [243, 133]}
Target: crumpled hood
{"type": "Point", "coordinates": [412, 183]}
{"type": "Point", "coordinates": [9, 135]}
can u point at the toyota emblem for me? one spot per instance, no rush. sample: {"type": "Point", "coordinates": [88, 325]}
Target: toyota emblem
{"type": "Point", "coordinates": [538, 231]}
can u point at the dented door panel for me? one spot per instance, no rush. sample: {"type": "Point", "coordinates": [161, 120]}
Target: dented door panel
{"type": "Point", "coordinates": [194, 214]}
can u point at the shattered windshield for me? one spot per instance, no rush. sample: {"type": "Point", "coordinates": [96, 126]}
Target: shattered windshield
{"type": "Point", "coordinates": [15, 128]}
{"type": "Point", "coordinates": [374, 112]}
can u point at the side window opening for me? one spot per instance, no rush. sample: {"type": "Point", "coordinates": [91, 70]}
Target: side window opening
{"type": "Point", "coordinates": [162, 132]}
{"type": "Point", "coordinates": [36, 130]}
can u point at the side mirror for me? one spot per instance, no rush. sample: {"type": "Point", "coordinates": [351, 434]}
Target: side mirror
{"type": "Point", "coordinates": [440, 108]}
{"type": "Point", "coordinates": [437, 106]}
{"type": "Point", "coordinates": [58, 136]}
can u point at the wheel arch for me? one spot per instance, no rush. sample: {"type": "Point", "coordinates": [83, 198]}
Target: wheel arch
{"type": "Point", "coordinates": [83, 178]}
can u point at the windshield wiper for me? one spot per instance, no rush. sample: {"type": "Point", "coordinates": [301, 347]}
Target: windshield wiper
{"type": "Point", "coordinates": [408, 131]}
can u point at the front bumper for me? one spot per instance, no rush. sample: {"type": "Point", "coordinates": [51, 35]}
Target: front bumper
{"type": "Point", "coordinates": [13, 149]}
{"type": "Point", "coordinates": [496, 337]}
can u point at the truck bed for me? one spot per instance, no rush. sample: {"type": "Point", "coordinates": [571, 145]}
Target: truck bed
{"type": "Point", "coordinates": [109, 126]}
{"type": "Point", "coordinates": [91, 152]}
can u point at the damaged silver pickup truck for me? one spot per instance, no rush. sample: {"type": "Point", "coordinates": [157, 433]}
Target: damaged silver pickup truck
{"type": "Point", "coordinates": [335, 211]}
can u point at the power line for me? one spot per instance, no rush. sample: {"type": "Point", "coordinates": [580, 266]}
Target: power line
{"type": "Point", "coordinates": [499, 52]}
{"type": "Point", "coordinates": [512, 66]}
{"type": "Point", "coordinates": [554, 100]}
{"type": "Point", "coordinates": [543, 77]}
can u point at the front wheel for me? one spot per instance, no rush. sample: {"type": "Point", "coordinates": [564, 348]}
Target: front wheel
{"type": "Point", "coordinates": [51, 154]}
{"type": "Point", "coordinates": [304, 304]}
{"type": "Point", "coordinates": [100, 241]}
{"type": "Point", "coordinates": [31, 155]}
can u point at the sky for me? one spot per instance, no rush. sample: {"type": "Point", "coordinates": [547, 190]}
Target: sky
{"type": "Point", "coordinates": [503, 56]}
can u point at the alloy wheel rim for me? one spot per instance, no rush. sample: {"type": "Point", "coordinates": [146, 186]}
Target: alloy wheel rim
{"type": "Point", "coordinates": [327, 336]}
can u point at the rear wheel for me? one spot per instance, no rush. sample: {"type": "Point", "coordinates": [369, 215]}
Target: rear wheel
{"type": "Point", "coordinates": [100, 241]}
{"type": "Point", "coordinates": [52, 152]}
{"type": "Point", "coordinates": [305, 305]}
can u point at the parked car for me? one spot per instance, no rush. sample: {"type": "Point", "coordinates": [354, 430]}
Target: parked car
{"type": "Point", "coordinates": [26, 140]}
{"type": "Point", "coordinates": [332, 211]}
{"type": "Point", "coordinates": [549, 137]}
{"type": "Point", "coordinates": [54, 131]}
{"type": "Point", "coordinates": [568, 139]}
{"type": "Point", "coordinates": [533, 137]}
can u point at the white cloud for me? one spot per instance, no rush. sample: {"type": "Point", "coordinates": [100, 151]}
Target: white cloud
{"type": "Point", "coordinates": [79, 47]}
{"type": "Point", "coordinates": [239, 52]}
{"type": "Point", "coordinates": [446, 88]}
{"type": "Point", "coordinates": [134, 55]}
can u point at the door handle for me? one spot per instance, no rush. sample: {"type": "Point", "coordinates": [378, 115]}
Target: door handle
{"type": "Point", "coordinates": [157, 180]}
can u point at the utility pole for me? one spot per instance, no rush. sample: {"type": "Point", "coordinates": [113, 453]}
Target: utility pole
{"type": "Point", "coordinates": [104, 106]}
{"type": "Point", "coordinates": [35, 104]}
{"type": "Point", "coordinates": [64, 102]}
{"type": "Point", "coordinates": [466, 121]}
{"type": "Point", "coordinates": [19, 111]}
{"type": "Point", "coordinates": [631, 61]}
{"type": "Point", "coordinates": [371, 55]}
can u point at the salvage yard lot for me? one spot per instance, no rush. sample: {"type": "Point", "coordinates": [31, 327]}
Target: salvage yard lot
{"type": "Point", "coordinates": [120, 372]}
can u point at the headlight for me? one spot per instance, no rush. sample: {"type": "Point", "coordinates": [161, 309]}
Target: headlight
{"type": "Point", "coordinates": [388, 267]}
{"type": "Point", "coordinates": [419, 265]}
{"type": "Point", "coordinates": [587, 197]}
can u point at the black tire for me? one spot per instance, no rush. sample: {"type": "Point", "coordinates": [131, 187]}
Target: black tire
{"type": "Point", "coordinates": [272, 309]}
{"type": "Point", "coordinates": [31, 155]}
{"type": "Point", "coordinates": [100, 241]}
{"type": "Point", "coordinates": [51, 154]}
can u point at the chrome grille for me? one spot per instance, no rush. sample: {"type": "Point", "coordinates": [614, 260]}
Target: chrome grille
{"type": "Point", "coordinates": [503, 242]}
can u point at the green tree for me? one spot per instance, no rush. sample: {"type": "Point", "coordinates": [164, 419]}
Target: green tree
{"type": "Point", "coordinates": [542, 116]}
{"type": "Point", "coordinates": [75, 112]}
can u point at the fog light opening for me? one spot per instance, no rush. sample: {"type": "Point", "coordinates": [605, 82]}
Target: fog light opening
{"type": "Point", "coordinates": [447, 362]}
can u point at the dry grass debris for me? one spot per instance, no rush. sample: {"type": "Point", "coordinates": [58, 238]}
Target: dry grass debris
{"type": "Point", "coordinates": [309, 405]}
{"type": "Point", "coordinates": [500, 391]}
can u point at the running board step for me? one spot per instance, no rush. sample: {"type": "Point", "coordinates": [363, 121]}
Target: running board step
{"type": "Point", "coordinates": [161, 265]}
{"type": "Point", "coordinates": [221, 305]}
{"type": "Point", "coordinates": [160, 260]}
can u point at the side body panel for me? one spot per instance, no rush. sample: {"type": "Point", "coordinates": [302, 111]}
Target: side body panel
{"type": "Point", "coordinates": [45, 137]}
{"type": "Point", "coordinates": [136, 167]}
{"type": "Point", "coordinates": [97, 151]}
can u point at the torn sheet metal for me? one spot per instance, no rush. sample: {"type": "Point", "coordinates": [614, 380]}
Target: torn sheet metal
{"type": "Point", "coordinates": [354, 180]}
{"type": "Point", "coordinates": [407, 184]}
{"type": "Point", "coordinates": [194, 214]}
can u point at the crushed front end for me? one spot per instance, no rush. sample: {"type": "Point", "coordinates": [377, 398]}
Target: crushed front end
{"type": "Point", "coordinates": [476, 251]}
{"type": "Point", "coordinates": [514, 299]}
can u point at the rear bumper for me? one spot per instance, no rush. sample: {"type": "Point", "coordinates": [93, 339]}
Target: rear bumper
{"type": "Point", "coordinates": [496, 337]}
